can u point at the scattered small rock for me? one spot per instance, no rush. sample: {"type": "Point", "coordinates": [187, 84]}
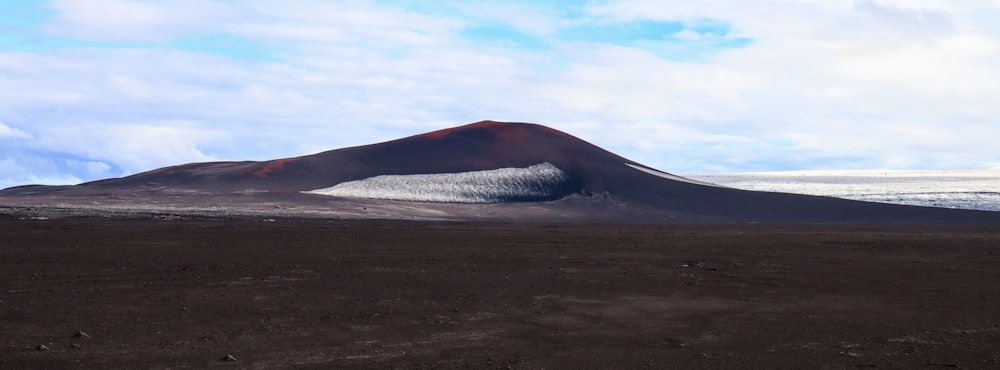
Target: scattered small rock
{"type": "Point", "coordinates": [41, 347]}
{"type": "Point", "coordinates": [74, 345]}
{"type": "Point", "coordinates": [81, 334]}
{"type": "Point", "coordinates": [229, 358]}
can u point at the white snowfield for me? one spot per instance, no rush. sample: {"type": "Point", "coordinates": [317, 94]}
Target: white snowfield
{"type": "Point", "coordinates": [970, 189]}
{"type": "Point", "coordinates": [539, 181]}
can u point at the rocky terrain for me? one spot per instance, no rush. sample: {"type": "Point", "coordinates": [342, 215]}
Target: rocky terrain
{"type": "Point", "coordinates": [320, 293]}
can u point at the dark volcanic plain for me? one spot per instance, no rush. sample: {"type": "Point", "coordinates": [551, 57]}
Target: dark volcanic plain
{"type": "Point", "coordinates": [186, 292]}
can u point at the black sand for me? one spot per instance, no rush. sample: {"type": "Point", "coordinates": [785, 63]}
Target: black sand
{"type": "Point", "coordinates": [293, 293]}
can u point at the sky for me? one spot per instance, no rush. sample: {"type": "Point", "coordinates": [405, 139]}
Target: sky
{"type": "Point", "coordinates": [92, 89]}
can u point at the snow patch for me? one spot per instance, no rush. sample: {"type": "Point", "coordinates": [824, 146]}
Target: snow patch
{"type": "Point", "coordinates": [969, 189]}
{"type": "Point", "coordinates": [671, 177]}
{"type": "Point", "coordinates": [542, 181]}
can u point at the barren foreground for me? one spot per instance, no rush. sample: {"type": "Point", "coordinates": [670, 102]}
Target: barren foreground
{"type": "Point", "coordinates": [316, 293]}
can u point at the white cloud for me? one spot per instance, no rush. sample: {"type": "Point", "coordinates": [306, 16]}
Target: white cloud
{"type": "Point", "coordinates": [855, 84]}
{"type": "Point", "coordinates": [901, 19]}
{"type": "Point", "coordinates": [830, 75]}
{"type": "Point", "coordinates": [32, 170]}
{"type": "Point", "coordinates": [9, 167]}
{"type": "Point", "coordinates": [12, 132]}
{"type": "Point", "coordinates": [130, 20]}
{"type": "Point", "coordinates": [530, 17]}
{"type": "Point", "coordinates": [92, 169]}
{"type": "Point", "coordinates": [132, 147]}
{"type": "Point", "coordinates": [130, 86]}
{"type": "Point", "coordinates": [363, 24]}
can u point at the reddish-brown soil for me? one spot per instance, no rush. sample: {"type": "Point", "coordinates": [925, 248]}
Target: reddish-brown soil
{"type": "Point", "coordinates": [271, 166]}
{"type": "Point", "coordinates": [392, 294]}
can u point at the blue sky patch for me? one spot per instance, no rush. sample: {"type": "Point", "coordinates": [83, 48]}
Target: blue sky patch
{"type": "Point", "coordinates": [19, 24]}
{"type": "Point", "coordinates": [504, 36]}
{"type": "Point", "coordinates": [621, 33]}
{"type": "Point", "coordinates": [676, 41]}
{"type": "Point", "coordinates": [228, 46]}
{"type": "Point", "coordinates": [23, 14]}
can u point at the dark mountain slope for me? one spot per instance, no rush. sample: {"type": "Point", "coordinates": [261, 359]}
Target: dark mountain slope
{"type": "Point", "coordinates": [590, 173]}
{"type": "Point", "coordinates": [479, 146]}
